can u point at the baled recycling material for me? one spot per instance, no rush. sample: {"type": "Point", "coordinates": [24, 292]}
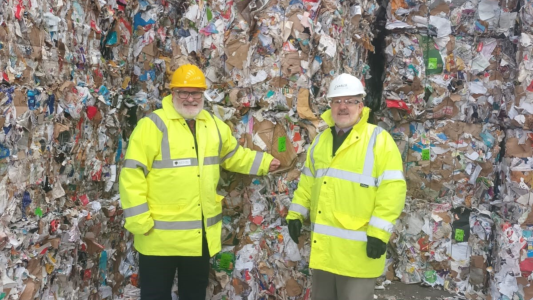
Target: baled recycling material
{"type": "Point", "coordinates": [457, 98]}
{"type": "Point", "coordinates": [76, 78]}
{"type": "Point", "coordinates": [468, 81]}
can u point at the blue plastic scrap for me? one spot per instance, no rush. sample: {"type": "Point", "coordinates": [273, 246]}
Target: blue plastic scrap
{"type": "Point", "coordinates": [139, 21]}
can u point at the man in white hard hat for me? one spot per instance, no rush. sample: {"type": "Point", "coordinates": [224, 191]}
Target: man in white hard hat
{"type": "Point", "coordinates": [353, 189]}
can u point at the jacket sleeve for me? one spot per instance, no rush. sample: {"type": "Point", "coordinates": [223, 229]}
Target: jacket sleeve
{"type": "Point", "coordinates": [390, 196]}
{"type": "Point", "coordinates": [133, 187]}
{"type": "Point", "coordinates": [301, 201]}
{"type": "Point", "coordinates": [235, 158]}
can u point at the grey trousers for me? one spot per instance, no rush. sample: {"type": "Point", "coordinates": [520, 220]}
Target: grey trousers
{"type": "Point", "coordinates": [329, 286]}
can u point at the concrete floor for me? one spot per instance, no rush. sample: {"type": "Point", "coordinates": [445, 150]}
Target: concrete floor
{"type": "Point", "coordinates": [399, 291]}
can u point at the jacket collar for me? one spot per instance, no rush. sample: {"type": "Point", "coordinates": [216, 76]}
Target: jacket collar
{"type": "Point", "coordinates": [171, 113]}
{"type": "Point", "coordinates": [355, 134]}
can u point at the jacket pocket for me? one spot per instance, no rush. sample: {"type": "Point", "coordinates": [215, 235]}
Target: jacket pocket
{"type": "Point", "coordinates": [350, 222]}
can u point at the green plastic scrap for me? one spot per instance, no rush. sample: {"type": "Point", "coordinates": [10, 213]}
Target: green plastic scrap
{"type": "Point", "coordinates": [38, 212]}
{"type": "Point", "coordinates": [209, 14]}
{"type": "Point", "coordinates": [224, 262]}
{"type": "Point", "coordinates": [430, 276]}
{"type": "Point", "coordinates": [459, 235]}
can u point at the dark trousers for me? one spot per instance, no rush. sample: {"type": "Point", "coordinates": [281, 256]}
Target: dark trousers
{"type": "Point", "coordinates": [157, 275]}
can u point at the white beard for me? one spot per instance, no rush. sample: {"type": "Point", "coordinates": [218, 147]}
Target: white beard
{"type": "Point", "coordinates": [189, 112]}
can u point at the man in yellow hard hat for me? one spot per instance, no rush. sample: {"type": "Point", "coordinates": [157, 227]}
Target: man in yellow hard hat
{"type": "Point", "coordinates": [168, 188]}
{"type": "Point", "coordinates": [353, 189]}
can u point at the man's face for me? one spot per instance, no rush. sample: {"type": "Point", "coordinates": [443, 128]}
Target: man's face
{"type": "Point", "coordinates": [346, 114]}
{"type": "Point", "coordinates": [188, 102]}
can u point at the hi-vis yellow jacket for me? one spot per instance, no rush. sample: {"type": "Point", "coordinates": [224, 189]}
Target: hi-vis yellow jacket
{"type": "Point", "coordinates": [165, 185]}
{"type": "Point", "coordinates": [359, 192]}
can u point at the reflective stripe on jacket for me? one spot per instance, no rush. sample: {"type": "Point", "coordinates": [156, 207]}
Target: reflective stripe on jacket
{"type": "Point", "coordinates": [165, 185]}
{"type": "Point", "coordinates": [359, 192]}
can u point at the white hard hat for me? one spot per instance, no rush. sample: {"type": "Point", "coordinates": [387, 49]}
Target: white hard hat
{"type": "Point", "coordinates": [345, 85]}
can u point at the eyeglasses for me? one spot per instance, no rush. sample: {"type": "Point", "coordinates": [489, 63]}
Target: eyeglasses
{"type": "Point", "coordinates": [346, 101]}
{"type": "Point", "coordinates": [186, 95]}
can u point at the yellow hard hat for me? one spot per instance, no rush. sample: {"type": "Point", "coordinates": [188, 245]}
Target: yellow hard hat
{"type": "Point", "coordinates": [188, 76]}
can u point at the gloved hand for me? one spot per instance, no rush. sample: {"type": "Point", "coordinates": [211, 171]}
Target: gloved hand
{"type": "Point", "coordinates": [375, 247]}
{"type": "Point", "coordinates": [295, 226]}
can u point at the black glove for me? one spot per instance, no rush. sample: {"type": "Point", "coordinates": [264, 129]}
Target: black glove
{"type": "Point", "coordinates": [295, 226]}
{"type": "Point", "coordinates": [375, 248]}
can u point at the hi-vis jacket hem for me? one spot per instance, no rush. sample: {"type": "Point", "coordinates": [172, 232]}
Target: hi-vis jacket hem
{"type": "Point", "coordinates": [357, 192]}
{"type": "Point", "coordinates": [167, 186]}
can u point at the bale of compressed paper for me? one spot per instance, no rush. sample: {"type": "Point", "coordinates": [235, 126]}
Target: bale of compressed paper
{"type": "Point", "coordinates": [77, 78]}
{"type": "Point", "coordinates": [468, 79]}
{"type": "Point", "coordinates": [437, 244]}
